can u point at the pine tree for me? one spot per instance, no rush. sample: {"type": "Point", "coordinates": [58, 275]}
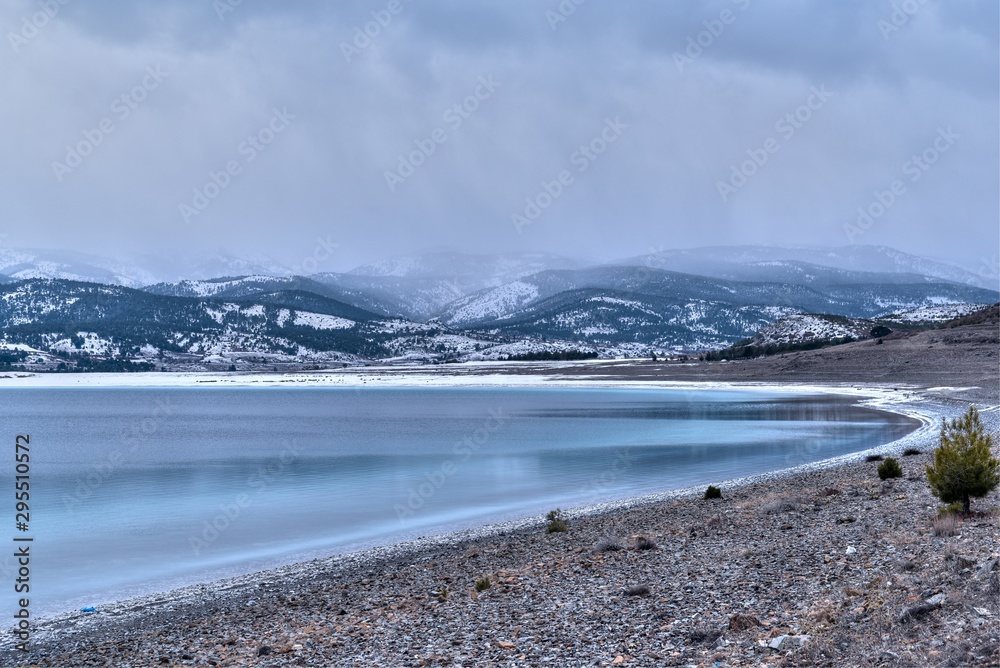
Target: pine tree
{"type": "Point", "coordinates": [964, 466]}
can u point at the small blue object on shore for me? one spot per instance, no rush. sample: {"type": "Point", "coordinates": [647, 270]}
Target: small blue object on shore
{"type": "Point", "coordinates": [88, 610]}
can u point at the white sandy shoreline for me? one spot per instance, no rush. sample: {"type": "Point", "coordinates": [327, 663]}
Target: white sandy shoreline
{"type": "Point", "coordinates": [473, 376]}
{"type": "Point", "coordinates": [905, 401]}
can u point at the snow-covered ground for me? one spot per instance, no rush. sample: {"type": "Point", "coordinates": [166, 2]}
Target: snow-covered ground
{"type": "Point", "coordinates": [941, 313]}
{"type": "Point", "coordinates": [804, 327]}
{"type": "Point", "coordinates": [470, 374]}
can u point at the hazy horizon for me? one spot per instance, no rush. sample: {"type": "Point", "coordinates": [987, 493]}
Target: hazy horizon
{"type": "Point", "coordinates": [568, 128]}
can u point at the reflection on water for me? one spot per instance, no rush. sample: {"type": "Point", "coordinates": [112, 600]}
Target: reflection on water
{"type": "Point", "coordinates": [136, 490]}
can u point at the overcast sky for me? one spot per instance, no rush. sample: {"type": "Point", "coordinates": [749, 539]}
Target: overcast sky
{"type": "Point", "coordinates": [703, 123]}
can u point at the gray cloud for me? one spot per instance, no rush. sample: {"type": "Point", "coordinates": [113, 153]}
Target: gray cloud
{"type": "Point", "coordinates": [655, 186]}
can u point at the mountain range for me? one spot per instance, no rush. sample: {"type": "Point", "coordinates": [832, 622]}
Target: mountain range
{"type": "Point", "coordinates": [59, 307]}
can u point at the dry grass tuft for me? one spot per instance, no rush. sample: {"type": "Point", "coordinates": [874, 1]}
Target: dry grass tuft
{"type": "Point", "coordinates": [643, 543]}
{"type": "Point", "coordinates": [608, 545]}
{"type": "Point", "coordinates": [704, 634]}
{"type": "Point", "coordinates": [780, 503]}
{"type": "Point", "coordinates": [945, 525]}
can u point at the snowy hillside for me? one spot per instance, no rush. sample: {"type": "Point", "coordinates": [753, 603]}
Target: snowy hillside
{"type": "Point", "coordinates": [942, 313]}
{"type": "Point", "coordinates": [807, 327]}
{"type": "Point", "coordinates": [21, 264]}
{"type": "Point", "coordinates": [500, 304]}
{"type": "Point", "coordinates": [752, 263]}
{"type": "Point", "coordinates": [140, 271]}
{"type": "Point", "coordinates": [467, 272]}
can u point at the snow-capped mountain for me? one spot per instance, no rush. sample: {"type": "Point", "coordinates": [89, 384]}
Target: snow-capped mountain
{"type": "Point", "coordinates": [610, 317]}
{"type": "Point", "coordinates": [468, 272]}
{"type": "Point", "coordinates": [854, 299]}
{"type": "Point", "coordinates": [143, 270]}
{"type": "Point", "coordinates": [204, 265]}
{"type": "Point", "coordinates": [414, 298]}
{"type": "Point", "coordinates": [765, 263]}
{"type": "Point", "coordinates": [447, 306]}
{"type": "Point", "coordinates": [18, 264]}
{"type": "Point", "coordinates": [70, 318]}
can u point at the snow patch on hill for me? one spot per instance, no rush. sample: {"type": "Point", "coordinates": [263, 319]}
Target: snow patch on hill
{"type": "Point", "coordinates": [941, 313]}
{"type": "Point", "coordinates": [212, 288]}
{"type": "Point", "coordinates": [805, 327]}
{"type": "Point", "coordinates": [495, 303]}
{"type": "Point", "coordinates": [321, 321]}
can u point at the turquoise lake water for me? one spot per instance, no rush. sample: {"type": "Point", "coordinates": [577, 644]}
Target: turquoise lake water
{"type": "Point", "coordinates": [139, 490]}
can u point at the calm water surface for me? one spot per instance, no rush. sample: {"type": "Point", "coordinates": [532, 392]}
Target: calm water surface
{"type": "Point", "coordinates": [138, 490]}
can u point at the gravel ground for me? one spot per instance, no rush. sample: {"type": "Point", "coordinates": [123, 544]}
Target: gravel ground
{"type": "Point", "coordinates": [825, 566]}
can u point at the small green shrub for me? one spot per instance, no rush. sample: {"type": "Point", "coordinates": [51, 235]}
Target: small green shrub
{"type": "Point", "coordinates": [482, 584]}
{"type": "Point", "coordinates": [557, 522]}
{"type": "Point", "coordinates": [712, 492]}
{"type": "Point", "coordinates": [909, 452]}
{"type": "Point", "coordinates": [954, 508]}
{"type": "Point", "coordinates": [874, 458]}
{"type": "Point", "coordinates": [964, 466]}
{"type": "Point", "coordinates": [878, 331]}
{"type": "Point", "coordinates": [890, 468]}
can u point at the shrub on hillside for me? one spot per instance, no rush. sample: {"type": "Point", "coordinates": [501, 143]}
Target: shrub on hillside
{"type": "Point", "coordinates": [557, 522]}
{"type": "Point", "coordinates": [963, 465]}
{"type": "Point", "coordinates": [712, 492]}
{"type": "Point", "coordinates": [890, 468]}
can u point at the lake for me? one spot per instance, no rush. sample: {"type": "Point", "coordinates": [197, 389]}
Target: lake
{"type": "Point", "coordinates": [139, 490]}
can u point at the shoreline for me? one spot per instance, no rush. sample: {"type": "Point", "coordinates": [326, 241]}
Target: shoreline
{"type": "Point", "coordinates": [58, 629]}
